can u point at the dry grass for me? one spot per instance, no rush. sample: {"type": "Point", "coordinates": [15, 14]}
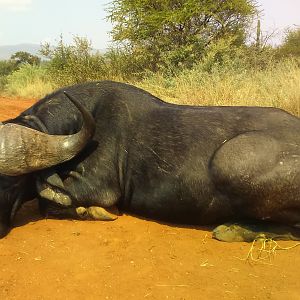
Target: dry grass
{"type": "Point", "coordinates": [35, 90]}
{"type": "Point", "coordinates": [277, 86]}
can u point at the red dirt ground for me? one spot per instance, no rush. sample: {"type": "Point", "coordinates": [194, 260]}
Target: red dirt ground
{"type": "Point", "coordinates": [132, 258]}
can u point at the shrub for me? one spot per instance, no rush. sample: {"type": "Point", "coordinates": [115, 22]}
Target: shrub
{"type": "Point", "coordinates": [6, 68]}
{"type": "Point", "coordinates": [291, 44]}
{"type": "Point", "coordinates": [29, 82]}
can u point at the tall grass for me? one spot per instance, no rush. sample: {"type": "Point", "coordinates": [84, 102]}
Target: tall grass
{"type": "Point", "coordinates": [278, 85]}
{"type": "Point", "coordinates": [28, 82]}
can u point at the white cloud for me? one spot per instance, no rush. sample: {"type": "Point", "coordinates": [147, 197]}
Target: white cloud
{"type": "Point", "coordinates": [15, 5]}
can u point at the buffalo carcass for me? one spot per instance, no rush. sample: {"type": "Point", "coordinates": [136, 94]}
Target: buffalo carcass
{"type": "Point", "coordinates": [177, 163]}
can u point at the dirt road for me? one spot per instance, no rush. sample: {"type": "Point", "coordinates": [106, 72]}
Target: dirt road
{"type": "Point", "coordinates": [132, 258]}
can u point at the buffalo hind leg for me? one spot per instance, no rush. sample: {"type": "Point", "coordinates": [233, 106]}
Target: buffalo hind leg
{"type": "Point", "coordinates": [248, 232]}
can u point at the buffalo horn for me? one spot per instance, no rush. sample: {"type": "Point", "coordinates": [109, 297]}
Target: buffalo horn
{"type": "Point", "coordinates": [24, 150]}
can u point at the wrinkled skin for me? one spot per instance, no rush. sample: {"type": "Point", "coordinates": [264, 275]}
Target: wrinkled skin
{"type": "Point", "coordinates": [184, 164]}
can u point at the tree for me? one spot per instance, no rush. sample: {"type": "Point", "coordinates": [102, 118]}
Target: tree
{"type": "Point", "coordinates": [175, 32]}
{"type": "Point", "coordinates": [291, 44]}
{"type": "Point", "coordinates": [22, 57]}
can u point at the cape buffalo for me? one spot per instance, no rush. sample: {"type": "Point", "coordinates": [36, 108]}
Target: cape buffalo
{"type": "Point", "coordinates": [177, 163]}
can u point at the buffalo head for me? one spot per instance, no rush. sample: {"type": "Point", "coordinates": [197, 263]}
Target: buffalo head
{"type": "Point", "coordinates": [23, 151]}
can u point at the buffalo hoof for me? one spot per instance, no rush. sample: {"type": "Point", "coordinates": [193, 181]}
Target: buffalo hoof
{"type": "Point", "coordinates": [233, 233]}
{"type": "Point", "coordinates": [101, 214]}
{"type": "Point", "coordinates": [55, 196]}
{"type": "Point", "coordinates": [241, 232]}
{"type": "Point", "coordinates": [82, 212]}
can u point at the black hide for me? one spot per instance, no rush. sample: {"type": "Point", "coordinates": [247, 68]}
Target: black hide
{"type": "Point", "coordinates": [196, 165]}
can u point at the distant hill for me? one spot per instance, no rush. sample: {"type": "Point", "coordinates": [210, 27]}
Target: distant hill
{"type": "Point", "coordinates": [7, 51]}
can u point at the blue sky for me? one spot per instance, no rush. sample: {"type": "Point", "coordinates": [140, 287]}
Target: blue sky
{"type": "Point", "coordinates": [36, 21]}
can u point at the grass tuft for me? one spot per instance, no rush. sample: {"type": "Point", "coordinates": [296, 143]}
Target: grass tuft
{"type": "Point", "coordinates": [278, 85]}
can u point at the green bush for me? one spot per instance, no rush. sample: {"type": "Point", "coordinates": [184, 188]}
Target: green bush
{"type": "Point", "coordinates": [291, 44]}
{"type": "Point", "coordinates": [29, 82]}
{"type": "Point", "coordinates": [76, 63]}
{"type": "Point", "coordinates": [3, 82]}
{"type": "Point", "coordinates": [6, 68]}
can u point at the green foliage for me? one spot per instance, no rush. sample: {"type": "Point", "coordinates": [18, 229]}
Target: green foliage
{"type": "Point", "coordinates": [175, 33]}
{"type": "Point", "coordinates": [6, 68]}
{"type": "Point", "coordinates": [3, 82]}
{"type": "Point", "coordinates": [224, 54]}
{"type": "Point", "coordinates": [29, 81]}
{"type": "Point", "coordinates": [291, 44]}
{"type": "Point", "coordinates": [69, 64]}
{"type": "Point", "coordinates": [23, 57]}
{"type": "Point", "coordinates": [121, 65]}
{"type": "Point", "coordinates": [77, 63]}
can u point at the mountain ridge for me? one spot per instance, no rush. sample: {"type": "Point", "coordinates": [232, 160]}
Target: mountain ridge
{"type": "Point", "coordinates": [6, 51]}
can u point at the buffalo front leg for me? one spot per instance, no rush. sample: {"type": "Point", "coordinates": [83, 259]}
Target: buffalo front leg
{"type": "Point", "coordinates": [97, 213]}
{"type": "Point", "coordinates": [51, 187]}
{"type": "Point", "coordinates": [63, 199]}
{"type": "Point", "coordinates": [54, 210]}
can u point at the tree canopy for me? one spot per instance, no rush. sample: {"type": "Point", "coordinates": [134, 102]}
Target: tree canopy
{"type": "Point", "coordinates": [291, 44]}
{"type": "Point", "coordinates": [22, 57]}
{"type": "Point", "coordinates": [177, 31]}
